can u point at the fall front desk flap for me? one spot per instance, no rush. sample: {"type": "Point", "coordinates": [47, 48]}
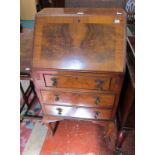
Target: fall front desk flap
{"type": "Point", "coordinates": [80, 39]}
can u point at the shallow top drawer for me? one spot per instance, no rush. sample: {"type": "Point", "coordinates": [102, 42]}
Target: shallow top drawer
{"type": "Point", "coordinates": [78, 82]}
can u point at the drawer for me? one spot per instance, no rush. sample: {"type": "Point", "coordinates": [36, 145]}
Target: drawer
{"type": "Point", "coordinates": [85, 99]}
{"type": "Point", "coordinates": [78, 82]}
{"type": "Point", "coordinates": [78, 112]}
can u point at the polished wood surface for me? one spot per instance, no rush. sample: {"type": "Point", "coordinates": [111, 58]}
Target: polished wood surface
{"type": "Point", "coordinates": [71, 12]}
{"type": "Point", "coordinates": [26, 45]}
{"type": "Point", "coordinates": [91, 42]}
{"type": "Point", "coordinates": [128, 95]}
{"type": "Point", "coordinates": [78, 63]}
{"type": "Point", "coordinates": [78, 112]}
{"type": "Point", "coordinates": [126, 110]}
{"type": "Point", "coordinates": [79, 82]}
{"type": "Point", "coordinates": [84, 99]}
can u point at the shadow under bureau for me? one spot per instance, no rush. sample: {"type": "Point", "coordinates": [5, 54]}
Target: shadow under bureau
{"type": "Point", "coordinates": [78, 63]}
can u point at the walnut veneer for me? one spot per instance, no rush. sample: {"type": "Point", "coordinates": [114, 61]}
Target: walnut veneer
{"type": "Point", "coordinates": [79, 62]}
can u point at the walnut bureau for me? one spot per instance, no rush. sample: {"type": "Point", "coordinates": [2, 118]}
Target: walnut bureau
{"type": "Point", "coordinates": [79, 62]}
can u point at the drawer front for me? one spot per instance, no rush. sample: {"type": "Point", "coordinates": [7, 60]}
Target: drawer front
{"type": "Point", "coordinates": [78, 112]}
{"type": "Point", "coordinates": [78, 99]}
{"type": "Point", "coordinates": [79, 82]}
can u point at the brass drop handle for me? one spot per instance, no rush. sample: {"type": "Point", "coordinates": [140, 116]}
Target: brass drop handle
{"type": "Point", "coordinates": [97, 100]}
{"type": "Point", "coordinates": [59, 111]}
{"type": "Point", "coordinates": [99, 83]}
{"type": "Point", "coordinates": [57, 98]}
{"type": "Point", "coordinates": [97, 113]}
{"type": "Point", "coordinates": [54, 81]}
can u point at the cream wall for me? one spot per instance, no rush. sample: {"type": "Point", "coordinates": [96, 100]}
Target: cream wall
{"type": "Point", "coordinates": [27, 9]}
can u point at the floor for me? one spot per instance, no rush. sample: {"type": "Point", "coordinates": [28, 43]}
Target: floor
{"type": "Point", "coordinates": [71, 138]}
{"type": "Point", "coordinates": [77, 138]}
{"type": "Point", "coordinates": [82, 138]}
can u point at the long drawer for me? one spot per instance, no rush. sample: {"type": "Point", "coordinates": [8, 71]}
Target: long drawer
{"type": "Point", "coordinates": [77, 82]}
{"type": "Point", "coordinates": [78, 112]}
{"type": "Point", "coordinates": [85, 99]}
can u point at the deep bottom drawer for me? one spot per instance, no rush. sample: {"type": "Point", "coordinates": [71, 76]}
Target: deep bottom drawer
{"type": "Point", "coordinates": [78, 112]}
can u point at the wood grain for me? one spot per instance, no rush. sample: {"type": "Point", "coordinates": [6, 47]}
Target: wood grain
{"type": "Point", "coordinates": [84, 99]}
{"type": "Point", "coordinates": [77, 42]}
{"type": "Point", "coordinates": [85, 113]}
{"type": "Point", "coordinates": [79, 82]}
{"type": "Point", "coordinates": [26, 44]}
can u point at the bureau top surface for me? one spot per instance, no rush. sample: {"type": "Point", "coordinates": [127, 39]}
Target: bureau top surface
{"type": "Point", "coordinates": [80, 39]}
{"type": "Point", "coordinates": [81, 11]}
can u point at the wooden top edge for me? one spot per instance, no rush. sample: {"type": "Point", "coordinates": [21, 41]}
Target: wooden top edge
{"type": "Point", "coordinates": [79, 71]}
{"type": "Point", "coordinates": [81, 12]}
